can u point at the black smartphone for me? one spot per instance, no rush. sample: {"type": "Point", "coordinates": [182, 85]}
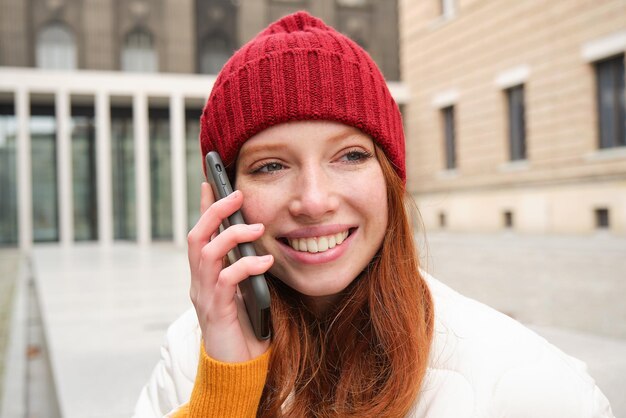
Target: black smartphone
{"type": "Point", "coordinates": [254, 290]}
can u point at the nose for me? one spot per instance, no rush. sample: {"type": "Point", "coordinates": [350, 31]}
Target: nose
{"type": "Point", "coordinates": [315, 195]}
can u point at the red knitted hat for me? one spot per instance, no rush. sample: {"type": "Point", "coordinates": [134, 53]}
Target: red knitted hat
{"type": "Point", "coordinates": [299, 68]}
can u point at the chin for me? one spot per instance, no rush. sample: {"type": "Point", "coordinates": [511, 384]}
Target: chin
{"type": "Point", "coordinates": [315, 290]}
{"type": "Point", "coordinates": [314, 287]}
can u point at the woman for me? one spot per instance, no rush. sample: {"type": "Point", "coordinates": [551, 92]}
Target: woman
{"type": "Point", "coordinates": [313, 140]}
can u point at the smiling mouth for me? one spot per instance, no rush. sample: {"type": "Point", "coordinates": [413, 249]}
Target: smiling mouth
{"type": "Point", "coordinates": [316, 244]}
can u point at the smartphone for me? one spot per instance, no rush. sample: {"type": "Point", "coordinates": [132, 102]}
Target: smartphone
{"type": "Point", "coordinates": [254, 290]}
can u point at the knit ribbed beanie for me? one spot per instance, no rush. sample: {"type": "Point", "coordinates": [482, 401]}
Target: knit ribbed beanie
{"type": "Point", "coordinates": [299, 68]}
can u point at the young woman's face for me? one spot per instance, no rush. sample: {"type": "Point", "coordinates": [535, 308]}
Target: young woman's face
{"type": "Point", "coordinates": [320, 192]}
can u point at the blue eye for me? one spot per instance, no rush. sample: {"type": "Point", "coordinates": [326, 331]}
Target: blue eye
{"type": "Point", "coordinates": [269, 167]}
{"type": "Point", "coordinates": [356, 156]}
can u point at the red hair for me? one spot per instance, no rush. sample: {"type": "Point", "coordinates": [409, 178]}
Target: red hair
{"type": "Point", "coordinates": [368, 356]}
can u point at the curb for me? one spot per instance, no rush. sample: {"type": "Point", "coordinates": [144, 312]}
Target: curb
{"type": "Point", "coordinates": [13, 398]}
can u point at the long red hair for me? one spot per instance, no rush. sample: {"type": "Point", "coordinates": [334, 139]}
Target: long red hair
{"type": "Point", "coordinates": [368, 356]}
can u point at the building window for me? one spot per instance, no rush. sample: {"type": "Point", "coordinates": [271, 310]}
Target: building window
{"type": "Point", "coordinates": [216, 50]}
{"type": "Point", "coordinates": [160, 174]}
{"type": "Point", "coordinates": [56, 48]}
{"type": "Point", "coordinates": [442, 220]}
{"type": "Point", "coordinates": [602, 218]}
{"type": "Point", "coordinates": [138, 52]}
{"type": "Point", "coordinates": [356, 27]}
{"type": "Point", "coordinates": [611, 119]}
{"type": "Point", "coordinates": [123, 172]}
{"type": "Point", "coordinates": [450, 137]}
{"type": "Point", "coordinates": [447, 8]}
{"type": "Point", "coordinates": [45, 197]}
{"type": "Point", "coordinates": [517, 123]}
{"type": "Point", "coordinates": [8, 175]}
{"type": "Point", "coordinates": [508, 219]}
{"type": "Point", "coordinates": [217, 33]}
{"type": "Point", "coordinates": [84, 184]}
{"type": "Point", "coordinates": [352, 3]}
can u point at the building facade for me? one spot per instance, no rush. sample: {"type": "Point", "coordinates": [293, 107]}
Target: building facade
{"type": "Point", "coordinates": [100, 103]}
{"type": "Point", "coordinates": [516, 119]}
{"type": "Point", "coordinates": [178, 36]}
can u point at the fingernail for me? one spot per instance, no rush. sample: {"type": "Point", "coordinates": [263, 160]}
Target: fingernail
{"type": "Point", "coordinates": [233, 194]}
{"type": "Point", "coordinates": [265, 258]}
{"type": "Point", "coordinates": [255, 227]}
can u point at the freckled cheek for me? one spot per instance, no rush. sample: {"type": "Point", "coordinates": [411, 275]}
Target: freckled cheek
{"type": "Point", "coordinates": [262, 206]}
{"type": "Point", "coordinates": [257, 207]}
{"type": "Point", "coordinates": [375, 203]}
{"type": "Point", "coordinates": [252, 211]}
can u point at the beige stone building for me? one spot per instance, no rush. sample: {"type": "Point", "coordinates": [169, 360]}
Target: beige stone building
{"type": "Point", "coordinates": [179, 36]}
{"type": "Point", "coordinates": [516, 118]}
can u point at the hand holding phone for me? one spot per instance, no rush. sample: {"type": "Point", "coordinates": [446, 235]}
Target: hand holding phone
{"type": "Point", "coordinates": [254, 290]}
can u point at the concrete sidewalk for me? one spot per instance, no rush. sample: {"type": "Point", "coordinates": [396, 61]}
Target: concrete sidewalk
{"type": "Point", "coordinates": [573, 282]}
{"type": "Point", "coordinates": [105, 312]}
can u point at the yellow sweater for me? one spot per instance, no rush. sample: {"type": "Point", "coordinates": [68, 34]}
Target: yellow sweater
{"type": "Point", "coordinates": [223, 390]}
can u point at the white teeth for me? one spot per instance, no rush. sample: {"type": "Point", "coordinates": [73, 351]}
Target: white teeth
{"type": "Point", "coordinates": [317, 244]}
{"type": "Point", "coordinates": [311, 245]}
{"type": "Point", "coordinates": [340, 237]}
{"type": "Point", "coordinates": [322, 244]}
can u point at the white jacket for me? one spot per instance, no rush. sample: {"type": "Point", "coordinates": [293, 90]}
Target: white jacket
{"type": "Point", "coordinates": [482, 364]}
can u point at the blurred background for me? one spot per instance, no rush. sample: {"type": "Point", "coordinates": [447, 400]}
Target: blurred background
{"type": "Point", "coordinates": [514, 115]}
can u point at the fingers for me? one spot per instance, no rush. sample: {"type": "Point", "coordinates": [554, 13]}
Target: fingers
{"type": "Point", "coordinates": [210, 221]}
{"type": "Point", "coordinates": [228, 239]}
{"type": "Point", "coordinates": [216, 298]}
{"type": "Point", "coordinates": [212, 253]}
{"type": "Point", "coordinates": [231, 276]}
{"type": "Point", "coordinates": [214, 215]}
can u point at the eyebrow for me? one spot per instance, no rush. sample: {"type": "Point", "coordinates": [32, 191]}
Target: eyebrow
{"type": "Point", "coordinates": [266, 147]}
{"type": "Point", "coordinates": [342, 135]}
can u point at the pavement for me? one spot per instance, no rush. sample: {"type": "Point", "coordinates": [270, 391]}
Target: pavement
{"type": "Point", "coordinates": [104, 311]}
{"type": "Point", "coordinates": [572, 282]}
